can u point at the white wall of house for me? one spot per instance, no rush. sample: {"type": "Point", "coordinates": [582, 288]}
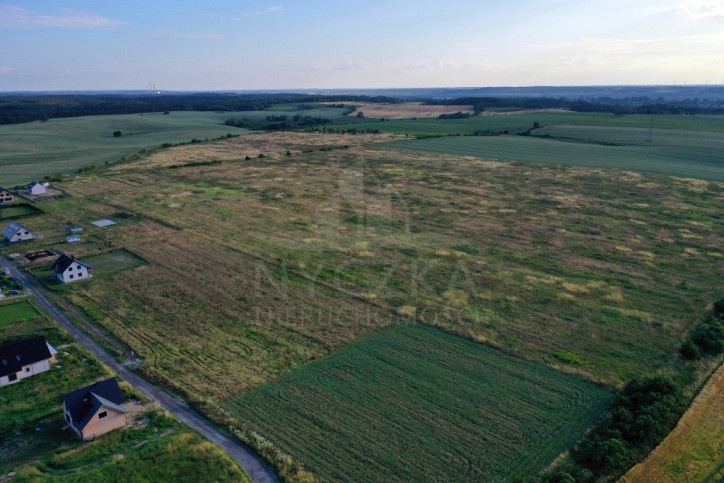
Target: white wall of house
{"type": "Point", "coordinates": [26, 371]}
{"type": "Point", "coordinates": [74, 272]}
{"type": "Point", "coordinates": [38, 189]}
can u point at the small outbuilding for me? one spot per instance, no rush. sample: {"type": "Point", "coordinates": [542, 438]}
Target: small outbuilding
{"type": "Point", "coordinates": [25, 358]}
{"type": "Point", "coordinates": [6, 197]}
{"type": "Point", "coordinates": [36, 189]}
{"type": "Point", "coordinates": [96, 409]}
{"type": "Point", "coordinates": [17, 233]}
{"type": "Point", "coordinates": [68, 269]}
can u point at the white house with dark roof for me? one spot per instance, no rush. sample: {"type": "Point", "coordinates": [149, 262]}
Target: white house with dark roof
{"type": "Point", "coordinates": [36, 189]}
{"type": "Point", "coordinates": [25, 358]}
{"type": "Point", "coordinates": [68, 269]}
{"type": "Point", "coordinates": [17, 233]}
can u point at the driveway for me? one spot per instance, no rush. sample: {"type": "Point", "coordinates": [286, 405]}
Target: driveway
{"type": "Point", "coordinates": [257, 469]}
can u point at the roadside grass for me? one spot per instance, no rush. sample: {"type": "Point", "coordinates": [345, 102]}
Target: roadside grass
{"type": "Point", "coordinates": [521, 122]}
{"type": "Point", "coordinates": [687, 154]}
{"type": "Point", "coordinates": [412, 403]}
{"type": "Point", "coordinates": [34, 445]}
{"type": "Point", "coordinates": [30, 151]}
{"type": "Point", "coordinates": [156, 448]}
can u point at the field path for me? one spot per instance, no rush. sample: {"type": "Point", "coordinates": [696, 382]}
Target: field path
{"type": "Point", "coordinates": [257, 470]}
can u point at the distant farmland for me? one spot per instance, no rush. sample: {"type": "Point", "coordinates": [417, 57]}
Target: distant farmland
{"type": "Point", "coordinates": [521, 122]}
{"type": "Point", "coordinates": [32, 150]}
{"type": "Point", "coordinates": [414, 403]}
{"type": "Point", "coordinates": [688, 154]}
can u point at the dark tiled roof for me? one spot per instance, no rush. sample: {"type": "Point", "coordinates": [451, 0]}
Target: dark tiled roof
{"type": "Point", "coordinates": [12, 229]}
{"type": "Point", "coordinates": [64, 261]}
{"type": "Point", "coordinates": [18, 354]}
{"type": "Point", "coordinates": [84, 403]}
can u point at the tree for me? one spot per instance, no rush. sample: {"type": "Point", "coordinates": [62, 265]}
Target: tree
{"type": "Point", "coordinates": [117, 134]}
{"type": "Point", "coordinates": [360, 114]}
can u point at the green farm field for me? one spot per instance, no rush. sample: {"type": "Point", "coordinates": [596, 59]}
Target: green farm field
{"type": "Point", "coordinates": [521, 122]}
{"type": "Point", "coordinates": [686, 154]}
{"type": "Point", "coordinates": [113, 262]}
{"type": "Point", "coordinates": [412, 403]}
{"type": "Point", "coordinates": [33, 150]}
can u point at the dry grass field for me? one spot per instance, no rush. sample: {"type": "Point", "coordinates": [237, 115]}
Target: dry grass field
{"type": "Point", "coordinates": [256, 267]}
{"type": "Point", "coordinates": [407, 110]}
{"type": "Point", "coordinates": [608, 266]}
{"type": "Point", "coordinates": [694, 451]}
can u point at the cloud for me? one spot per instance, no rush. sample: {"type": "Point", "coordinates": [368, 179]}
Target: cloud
{"type": "Point", "coordinates": [694, 9]}
{"type": "Point", "coordinates": [185, 35]}
{"type": "Point", "coordinates": [346, 65]}
{"type": "Point", "coordinates": [258, 13]}
{"type": "Point", "coordinates": [20, 18]}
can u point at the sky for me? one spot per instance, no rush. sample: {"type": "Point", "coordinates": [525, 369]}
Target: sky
{"type": "Point", "coordinates": [278, 44]}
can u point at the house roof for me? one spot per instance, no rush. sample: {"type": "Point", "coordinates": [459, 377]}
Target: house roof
{"type": "Point", "coordinates": [35, 183]}
{"type": "Point", "coordinates": [64, 261]}
{"type": "Point", "coordinates": [12, 229]}
{"type": "Point", "coordinates": [18, 354]}
{"type": "Point", "coordinates": [84, 403]}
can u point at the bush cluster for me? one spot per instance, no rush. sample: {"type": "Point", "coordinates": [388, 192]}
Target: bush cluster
{"type": "Point", "coordinates": [708, 337]}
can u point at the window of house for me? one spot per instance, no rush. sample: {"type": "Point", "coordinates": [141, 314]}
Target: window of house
{"type": "Point", "coordinates": [27, 369]}
{"type": "Point", "coordinates": [71, 276]}
{"type": "Point", "coordinates": [70, 269]}
{"type": "Point", "coordinates": [17, 357]}
{"type": "Point", "coordinates": [12, 377]}
{"type": "Point", "coordinates": [102, 414]}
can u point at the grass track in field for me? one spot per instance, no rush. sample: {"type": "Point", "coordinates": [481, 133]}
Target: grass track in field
{"type": "Point", "coordinates": [414, 403]}
{"type": "Point", "coordinates": [698, 155]}
{"type": "Point", "coordinates": [32, 150]}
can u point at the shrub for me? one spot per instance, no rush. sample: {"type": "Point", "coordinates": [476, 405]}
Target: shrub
{"type": "Point", "coordinates": [690, 351]}
{"type": "Point", "coordinates": [709, 336]}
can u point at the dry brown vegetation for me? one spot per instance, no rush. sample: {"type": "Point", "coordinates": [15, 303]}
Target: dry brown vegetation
{"type": "Point", "coordinates": [694, 451]}
{"type": "Point", "coordinates": [407, 110]}
{"type": "Point", "coordinates": [258, 266]}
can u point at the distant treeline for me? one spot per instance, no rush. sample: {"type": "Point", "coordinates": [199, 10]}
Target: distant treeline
{"type": "Point", "coordinates": [17, 109]}
{"type": "Point", "coordinates": [277, 123]}
{"type": "Point", "coordinates": [638, 105]}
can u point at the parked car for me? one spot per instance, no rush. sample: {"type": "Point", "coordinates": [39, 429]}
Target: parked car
{"type": "Point", "coordinates": [20, 285]}
{"type": "Point", "coordinates": [13, 278]}
{"type": "Point", "coordinates": [14, 292]}
{"type": "Point", "coordinates": [5, 271]}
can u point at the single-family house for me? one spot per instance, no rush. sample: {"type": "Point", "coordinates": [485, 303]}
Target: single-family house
{"type": "Point", "coordinates": [17, 233]}
{"type": "Point", "coordinates": [68, 269]}
{"type": "Point", "coordinates": [96, 409]}
{"type": "Point", "coordinates": [25, 358]}
{"type": "Point", "coordinates": [36, 189]}
{"type": "Point", "coordinates": [6, 196]}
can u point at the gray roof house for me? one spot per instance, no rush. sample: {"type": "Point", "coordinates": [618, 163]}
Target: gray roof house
{"type": "Point", "coordinates": [17, 233]}
{"type": "Point", "coordinates": [36, 189]}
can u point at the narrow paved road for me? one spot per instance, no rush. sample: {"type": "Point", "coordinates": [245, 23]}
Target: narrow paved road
{"type": "Point", "coordinates": [257, 470]}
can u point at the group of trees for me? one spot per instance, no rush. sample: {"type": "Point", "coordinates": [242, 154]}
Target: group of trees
{"type": "Point", "coordinates": [456, 115]}
{"type": "Point", "coordinates": [17, 109]}
{"type": "Point", "coordinates": [277, 123]}
{"type": "Point", "coordinates": [708, 337]}
{"type": "Point", "coordinates": [616, 106]}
